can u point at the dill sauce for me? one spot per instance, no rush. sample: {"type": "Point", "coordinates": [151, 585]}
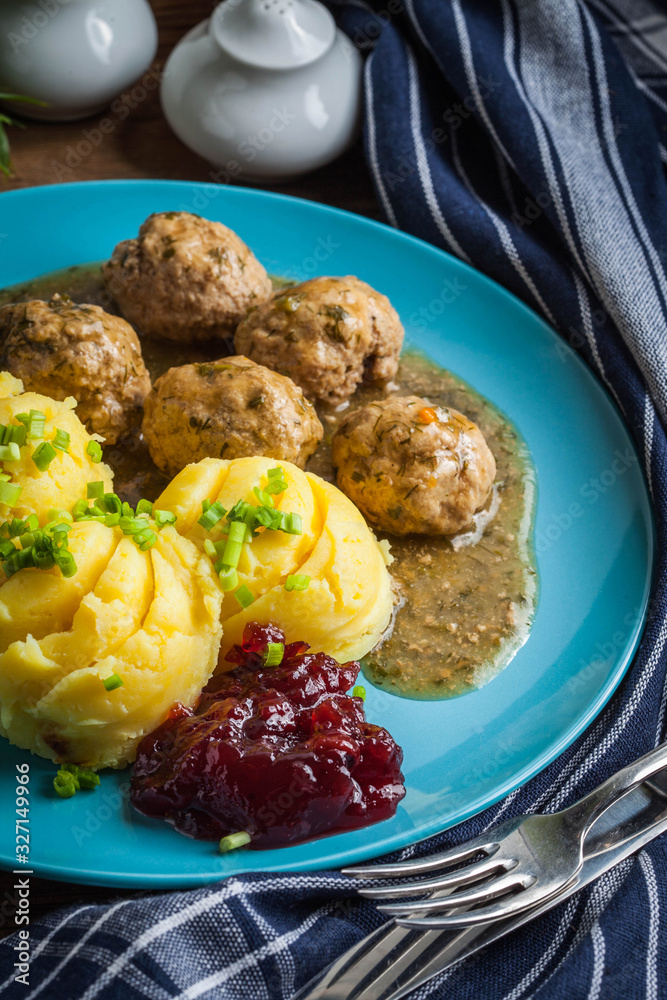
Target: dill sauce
{"type": "Point", "coordinates": [466, 604]}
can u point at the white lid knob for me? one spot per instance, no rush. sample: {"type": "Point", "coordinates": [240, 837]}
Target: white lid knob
{"type": "Point", "coordinates": [273, 34]}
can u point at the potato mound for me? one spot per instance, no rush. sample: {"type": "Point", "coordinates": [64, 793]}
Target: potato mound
{"type": "Point", "coordinates": [348, 603]}
{"type": "Point", "coordinates": [151, 617]}
{"type": "Point", "coordinates": [64, 482]}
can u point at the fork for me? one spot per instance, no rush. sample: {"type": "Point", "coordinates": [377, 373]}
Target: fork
{"type": "Point", "coordinates": [525, 861]}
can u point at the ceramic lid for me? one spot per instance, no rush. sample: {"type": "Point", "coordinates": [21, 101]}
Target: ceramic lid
{"type": "Point", "coordinates": [273, 34]}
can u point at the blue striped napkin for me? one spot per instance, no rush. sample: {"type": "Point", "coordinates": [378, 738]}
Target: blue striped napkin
{"type": "Point", "coordinates": [526, 137]}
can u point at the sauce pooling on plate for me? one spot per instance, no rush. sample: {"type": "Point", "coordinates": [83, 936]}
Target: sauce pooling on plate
{"type": "Point", "coordinates": [467, 602]}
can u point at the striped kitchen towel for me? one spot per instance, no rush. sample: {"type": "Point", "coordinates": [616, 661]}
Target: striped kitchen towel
{"type": "Point", "coordinates": [527, 138]}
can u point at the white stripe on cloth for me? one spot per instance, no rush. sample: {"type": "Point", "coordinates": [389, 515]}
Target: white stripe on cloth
{"type": "Point", "coordinates": [229, 890]}
{"type": "Point", "coordinates": [73, 952]}
{"type": "Point", "coordinates": [637, 33]}
{"type": "Point", "coordinates": [649, 417]}
{"type": "Point", "coordinates": [471, 77]}
{"type": "Point", "coordinates": [39, 948]}
{"type": "Point", "coordinates": [553, 66]}
{"type": "Point", "coordinates": [509, 45]}
{"type": "Point", "coordinates": [603, 892]}
{"type": "Point", "coordinates": [422, 161]}
{"type": "Point", "coordinates": [372, 144]}
{"type": "Point", "coordinates": [253, 958]}
{"type": "Point", "coordinates": [597, 938]}
{"type": "Point", "coordinates": [547, 956]}
{"type": "Point", "coordinates": [653, 928]}
{"type": "Point", "coordinates": [504, 234]}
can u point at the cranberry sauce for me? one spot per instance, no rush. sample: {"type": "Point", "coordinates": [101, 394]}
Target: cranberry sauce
{"type": "Point", "coordinates": [280, 752]}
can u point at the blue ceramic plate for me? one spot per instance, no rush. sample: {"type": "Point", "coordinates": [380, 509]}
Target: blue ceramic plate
{"type": "Point", "coordinates": [594, 534]}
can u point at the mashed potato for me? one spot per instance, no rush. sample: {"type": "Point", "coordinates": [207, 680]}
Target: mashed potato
{"type": "Point", "coordinates": [348, 603]}
{"type": "Point", "coordinates": [64, 482]}
{"type": "Point", "coordinates": [151, 617]}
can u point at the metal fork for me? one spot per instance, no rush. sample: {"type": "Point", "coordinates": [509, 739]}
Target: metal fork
{"type": "Point", "coordinates": [525, 861]}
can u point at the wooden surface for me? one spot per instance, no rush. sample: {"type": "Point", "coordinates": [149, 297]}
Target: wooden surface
{"type": "Point", "coordinates": [142, 145]}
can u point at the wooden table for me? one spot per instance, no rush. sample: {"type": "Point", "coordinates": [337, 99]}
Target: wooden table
{"type": "Point", "coordinates": [142, 145]}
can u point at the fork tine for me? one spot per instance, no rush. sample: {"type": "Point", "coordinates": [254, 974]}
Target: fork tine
{"type": "Point", "coordinates": [495, 911]}
{"type": "Point", "coordinates": [420, 866]}
{"type": "Point", "coordinates": [464, 876]}
{"type": "Point", "coordinates": [487, 891]}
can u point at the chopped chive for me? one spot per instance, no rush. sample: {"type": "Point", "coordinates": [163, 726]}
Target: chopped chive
{"type": "Point", "coordinates": [112, 682]}
{"type": "Point", "coordinates": [80, 509]}
{"type": "Point", "coordinates": [65, 563]}
{"type": "Point", "coordinates": [234, 545]}
{"type": "Point", "coordinates": [297, 581]}
{"type": "Point", "coordinates": [132, 525]}
{"type": "Point", "coordinates": [263, 497]}
{"type": "Point", "coordinates": [244, 596]}
{"type": "Point", "coordinates": [36, 422]}
{"type": "Point", "coordinates": [110, 503]}
{"type": "Point", "coordinates": [64, 784]}
{"type": "Point", "coordinates": [43, 455]}
{"type": "Point", "coordinates": [15, 433]}
{"type": "Point", "coordinates": [126, 510]}
{"type": "Point", "coordinates": [112, 520]}
{"type": "Point", "coordinates": [228, 576]}
{"type": "Point", "coordinates": [273, 654]}
{"type": "Point", "coordinates": [234, 840]}
{"type": "Point", "coordinates": [94, 490]}
{"type": "Point", "coordinates": [359, 692]}
{"type": "Point", "coordinates": [10, 452]}
{"type": "Point", "coordinates": [62, 440]}
{"type": "Point", "coordinates": [59, 515]}
{"type": "Point", "coordinates": [95, 451]}
{"type": "Point", "coordinates": [145, 507]}
{"type": "Point", "coordinates": [212, 515]}
{"type": "Point", "coordinates": [163, 517]}
{"type": "Point", "coordinates": [145, 539]}
{"type": "Point", "coordinates": [292, 524]}
{"type": "Point", "coordinates": [23, 418]}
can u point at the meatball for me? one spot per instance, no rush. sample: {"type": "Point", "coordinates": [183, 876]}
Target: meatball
{"type": "Point", "coordinates": [328, 334]}
{"type": "Point", "coordinates": [231, 408]}
{"type": "Point", "coordinates": [62, 349]}
{"type": "Point", "coordinates": [185, 278]}
{"type": "Point", "coordinates": [413, 467]}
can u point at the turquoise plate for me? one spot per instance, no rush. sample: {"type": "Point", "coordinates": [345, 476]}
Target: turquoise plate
{"type": "Point", "coordinates": [594, 534]}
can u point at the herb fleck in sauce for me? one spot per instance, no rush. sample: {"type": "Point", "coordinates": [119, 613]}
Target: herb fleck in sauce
{"type": "Point", "coordinates": [468, 603]}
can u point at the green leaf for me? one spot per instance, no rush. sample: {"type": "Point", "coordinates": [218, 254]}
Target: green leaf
{"type": "Point", "coordinates": [22, 97]}
{"type": "Point", "coordinates": [5, 164]}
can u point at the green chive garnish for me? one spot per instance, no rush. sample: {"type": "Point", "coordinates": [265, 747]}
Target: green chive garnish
{"type": "Point", "coordinates": [229, 578]}
{"type": "Point", "coordinates": [145, 507]}
{"type": "Point", "coordinates": [212, 515]}
{"type": "Point", "coordinates": [36, 422]}
{"type": "Point", "coordinates": [244, 596]}
{"type": "Point", "coordinates": [64, 784]}
{"type": "Point", "coordinates": [95, 451]}
{"type": "Point", "coordinates": [10, 452]}
{"type": "Point", "coordinates": [43, 455]}
{"type": "Point", "coordinates": [62, 440]}
{"type": "Point", "coordinates": [359, 692]}
{"type": "Point", "coordinates": [234, 840]}
{"type": "Point", "coordinates": [163, 517]}
{"type": "Point", "coordinates": [297, 581]}
{"type": "Point", "coordinates": [112, 682]}
{"type": "Point", "coordinates": [94, 490]}
{"type": "Point", "coordinates": [10, 493]}
{"type": "Point", "coordinates": [273, 654]}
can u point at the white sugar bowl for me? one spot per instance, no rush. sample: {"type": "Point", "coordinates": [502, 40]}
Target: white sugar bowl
{"type": "Point", "coordinates": [75, 55]}
{"type": "Point", "coordinates": [265, 89]}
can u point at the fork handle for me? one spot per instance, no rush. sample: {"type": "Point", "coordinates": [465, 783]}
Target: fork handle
{"type": "Point", "coordinates": [587, 810]}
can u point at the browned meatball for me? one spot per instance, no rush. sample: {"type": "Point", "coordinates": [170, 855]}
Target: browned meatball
{"type": "Point", "coordinates": [62, 349]}
{"type": "Point", "coordinates": [413, 467]}
{"type": "Point", "coordinates": [328, 334]}
{"type": "Point", "coordinates": [228, 409]}
{"type": "Point", "coordinates": [185, 278]}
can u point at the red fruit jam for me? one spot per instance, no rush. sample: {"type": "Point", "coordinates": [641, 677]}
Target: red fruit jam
{"type": "Point", "coordinates": [280, 752]}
